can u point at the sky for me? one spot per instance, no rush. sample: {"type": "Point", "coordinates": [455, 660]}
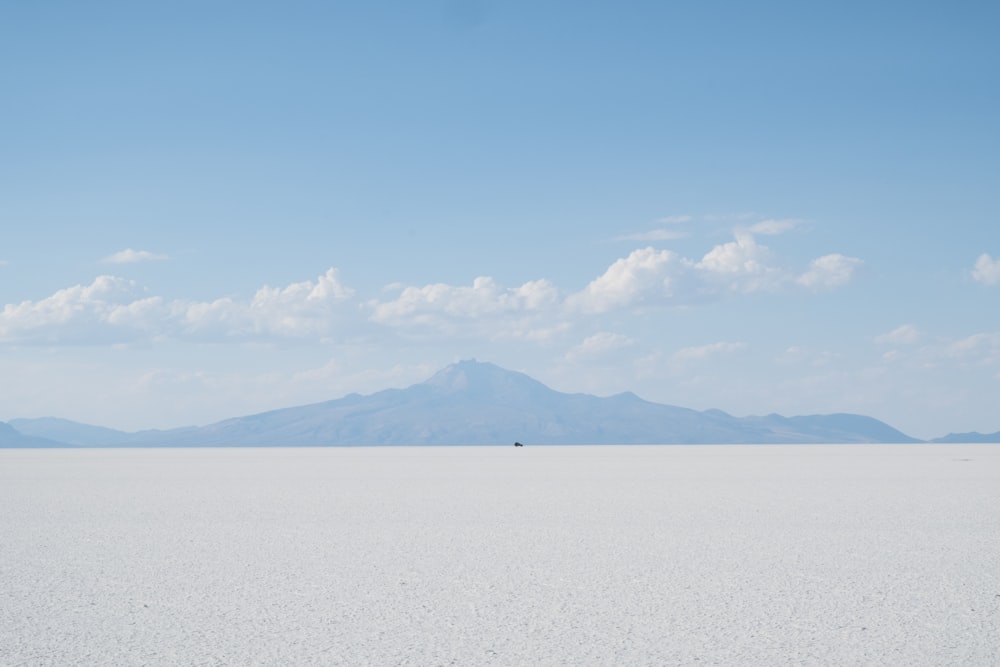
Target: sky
{"type": "Point", "coordinates": [210, 209]}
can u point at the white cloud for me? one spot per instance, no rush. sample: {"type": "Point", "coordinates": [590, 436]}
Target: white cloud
{"type": "Point", "coordinates": [130, 256]}
{"type": "Point", "coordinates": [421, 305]}
{"type": "Point", "coordinates": [644, 272]}
{"type": "Point", "coordinates": [4, 262]}
{"type": "Point", "coordinates": [981, 349]}
{"type": "Point", "coordinates": [599, 345]}
{"type": "Point", "coordinates": [537, 294]}
{"type": "Point", "coordinates": [299, 310]}
{"type": "Point", "coordinates": [742, 265]}
{"type": "Point", "coordinates": [704, 351]}
{"type": "Point", "coordinates": [743, 255]}
{"type": "Point", "coordinates": [111, 310]}
{"type": "Point", "coordinates": [986, 270]}
{"type": "Point", "coordinates": [72, 314]}
{"type": "Point", "coordinates": [902, 335]}
{"type": "Point", "coordinates": [829, 271]}
{"type": "Point", "coordinates": [774, 227]}
{"type": "Point", "coordinates": [739, 266]}
{"type": "Point", "coordinates": [483, 309]}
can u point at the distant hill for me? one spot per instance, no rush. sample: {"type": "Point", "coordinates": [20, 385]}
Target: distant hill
{"type": "Point", "coordinates": [474, 403]}
{"type": "Point", "coordinates": [70, 432]}
{"type": "Point", "coordinates": [11, 438]}
{"type": "Point", "coordinates": [969, 438]}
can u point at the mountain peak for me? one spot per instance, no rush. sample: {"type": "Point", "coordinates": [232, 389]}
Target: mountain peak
{"type": "Point", "coordinates": [461, 373]}
{"type": "Point", "coordinates": [479, 377]}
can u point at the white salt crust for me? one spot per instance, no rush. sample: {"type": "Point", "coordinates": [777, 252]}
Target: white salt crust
{"type": "Point", "coordinates": [661, 555]}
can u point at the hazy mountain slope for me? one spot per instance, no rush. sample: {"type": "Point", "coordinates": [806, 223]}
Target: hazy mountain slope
{"type": "Point", "coordinates": [970, 438]}
{"type": "Point", "coordinates": [70, 432]}
{"type": "Point", "coordinates": [473, 403]}
{"type": "Point", "coordinates": [828, 428]}
{"type": "Point", "coordinates": [10, 438]}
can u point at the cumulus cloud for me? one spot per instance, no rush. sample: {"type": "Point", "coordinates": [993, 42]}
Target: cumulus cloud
{"type": "Point", "coordinates": [700, 352]}
{"type": "Point", "coordinates": [130, 256]}
{"type": "Point", "coordinates": [484, 297]}
{"type": "Point", "coordinates": [743, 255]}
{"type": "Point", "coordinates": [650, 276]}
{"type": "Point", "coordinates": [986, 270]}
{"type": "Point", "coordinates": [626, 281]}
{"type": "Point", "coordinates": [645, 277]}
{"type": "Point", "coordinates": [902, 335]}
{"type": "Point", "coordinates": [742, 265]}
{"type": "Point", "coordinates": [74, 314]}
{"type": "Point", "coordinates": [112, 309]}
{"type": "Point", "coordinates": [484, 308]}
{"type": "Point", "coordinates": [598, 345]}
{"type": "Point", "coordinates": [829, 271]}
{"type": "Point", "coordinates": [298, 310]}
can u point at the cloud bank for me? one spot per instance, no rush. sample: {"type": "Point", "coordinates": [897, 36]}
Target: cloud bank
{"type": "Point", "coordinates": [112, 309]}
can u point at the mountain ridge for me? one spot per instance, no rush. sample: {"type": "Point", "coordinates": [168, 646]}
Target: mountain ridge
{"type": "Point", "coordinates": [973, 437]}
{"type": "Point", "coordinates": [477, 403]}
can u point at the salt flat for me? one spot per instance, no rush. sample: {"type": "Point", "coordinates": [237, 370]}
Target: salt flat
{"type": "Point", "coordinates": [712, 555]}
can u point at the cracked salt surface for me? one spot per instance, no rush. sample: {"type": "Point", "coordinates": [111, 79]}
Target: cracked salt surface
{"type": "Point", "coordinates": [708, 555]}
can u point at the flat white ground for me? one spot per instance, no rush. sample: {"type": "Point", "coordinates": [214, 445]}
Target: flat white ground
{"type": "Point", "coordinates": [662, 555]}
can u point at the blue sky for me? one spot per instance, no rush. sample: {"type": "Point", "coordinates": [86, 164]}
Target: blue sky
{"type": "Point", "coordinates": [215, 208]}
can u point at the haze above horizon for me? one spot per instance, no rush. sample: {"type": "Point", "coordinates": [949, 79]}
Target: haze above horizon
{"type": "Point", "coordinates": [217, 209]}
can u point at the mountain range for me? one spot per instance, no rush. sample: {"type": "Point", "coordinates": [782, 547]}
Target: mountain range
{"type": "Point", "coordinates": [472, 403]}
